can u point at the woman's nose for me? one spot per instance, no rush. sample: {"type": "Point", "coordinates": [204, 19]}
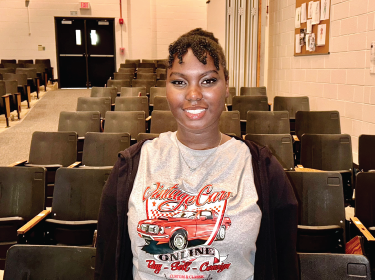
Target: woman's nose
{"type": "Point", "coordinates": [194, 93]}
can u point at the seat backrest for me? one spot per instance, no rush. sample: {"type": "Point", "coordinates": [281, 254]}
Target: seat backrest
{"type": "Point", "coordinates": [8, 61]}
{"type": "Point", "coordinates": [144, 83]}
{"type": "Point", "coordinates": [77, 192]}
{"type": "Point", "coordinates": [146, 76]}
{"type": "Point", "coordinates": [24, 61]}
{"type": "Point", "coordinates": [157, 91]}
{"type": "Point", "coordinates": [7, 70]}
{"type": "Point", "coordinates": [135, 103]}
{"type": "Point", "coordinates": [249, 103]}
{"type": "Point", "coordinates": [149, 61]}
{"type": "Point", "coordinates": [232, 92]}
{"type": "Point", "coordinates": [317, 122]}
{"type": "Point", "coordinates": [320, 198]}
{"type": "Point", "coordinates": [101, 149]}
{"type": "Point", "coordinates": [104, 92]}
{"type": "Point", "coordinates": [230, 123]}
{"type": "Point", "coordinates": [132, 122]}
{"type": "Point", "coordinates": [11, 87]}
{"type": "Point", "coordinates": [80, 122]}
{"type": "Point", "coordinates": [266, 122]}
{"type": "Point", "coordinates": [119, 84]}
{"type": "Point", "coordinates": [160, 71]}
{"type": "Point", "coordinates": [364, 198]}
{"type": "Point", "coordinates": [13, 65]}
{"type": "Point", "coordinates": [145, 70]}
{"type": "Point", "coordinates": [20, 78]}
{"type": "Point", "coordinates": [132, 91]}
{"type": "Point", "coordinates": [326, 266]}
{"type": "Point", "coordinates": [327, 152]}
{"type": "Point", "coordinates": [128, 65]}
{"type": "Point", "coordinates": [291, 104]}
{"type": "Point", "coordinates": [101, 104]}
{"type": "Point", "coordinates": [126, 70]}
{"type": "Point", "coordinates": [147, 65]}
{"type": "Point", "coordinates": [161, 103]}
{"type": "Point", "coordinates": [146, 136]}
{"type": "Point", "coordinates": [123, 76]}
{"type": "Point", "coordinates": [21, 191]}
{"type": "Point", "coordinates": [45, 62]}
{"type": "Point", "coordinates": [30, 72]}
{"type": "Point", "coordinates": [133, 61]}
{"type": "Point", "coordinates": [2, 92]}
{"type": "Point", "coordinates": [53, 148]}
{"type": "Point", "coordinates": [281, 146]}
{"type": "Point", "coordinates": [162, 121]}
{"type": "Point", "coordinates": [49, 262]}
{"type": "Point", "coordinates": [253, 91]}
{"type": "Point", "coordinates": [39, 67]}
{"type": "Point", "coordinates": [366, 152]}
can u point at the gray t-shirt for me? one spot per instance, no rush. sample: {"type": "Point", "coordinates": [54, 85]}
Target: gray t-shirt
{"type": "Point", "coordinates": [193, 224]}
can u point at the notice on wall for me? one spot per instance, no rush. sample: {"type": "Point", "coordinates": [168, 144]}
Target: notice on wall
{"type": "Point", "coordinates": [309, 10]}
{"type": "Point", "coordinates": [308, 42]}
{"type": "Point", "coordinates": [298, 44]}
{"type": "Point", "coordinates": [312, 42]}
{"type": "Point", "coordinates": [324, 12]}
{"type": "Point", "coordinates": [321, 35]}
{"type": "Point", "coordinates": [309, 26]}
{"type": "Point", "coordinates": [298, 18]}
{"type": "Point", "coordinates": [316, 13]}
{"type": "Point", "coordinates": [303, 13]}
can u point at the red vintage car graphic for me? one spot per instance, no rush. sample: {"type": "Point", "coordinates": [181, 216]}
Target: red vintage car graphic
{"type": "Point", "coordinates": [182, 227]}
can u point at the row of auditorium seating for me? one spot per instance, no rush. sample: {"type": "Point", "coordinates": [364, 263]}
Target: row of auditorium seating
{"type": "Point", "coordinates": [51, 262]}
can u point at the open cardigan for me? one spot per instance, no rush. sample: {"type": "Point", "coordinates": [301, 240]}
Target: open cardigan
{"type": "Point", "coordinates": [276, 256]}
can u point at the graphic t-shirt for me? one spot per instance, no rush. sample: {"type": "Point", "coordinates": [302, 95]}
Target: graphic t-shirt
{"type": "Point", "coordinates": [193, 213]}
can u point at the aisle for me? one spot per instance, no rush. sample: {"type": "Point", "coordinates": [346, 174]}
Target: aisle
{"type": "Point", "coordinates": [44, 116]}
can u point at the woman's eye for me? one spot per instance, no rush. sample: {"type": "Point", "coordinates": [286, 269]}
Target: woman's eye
{"type": "Point", "coordinates": [209, 81]}
{"type": "Point", "coordinates": [178, 83]}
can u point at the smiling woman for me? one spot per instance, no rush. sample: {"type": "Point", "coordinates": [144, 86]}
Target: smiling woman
{"type": "Point", "coordinates": [197, 203]}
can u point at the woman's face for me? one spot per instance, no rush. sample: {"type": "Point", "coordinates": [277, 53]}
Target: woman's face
{"type": "Point", "coordinates": [196, 93]}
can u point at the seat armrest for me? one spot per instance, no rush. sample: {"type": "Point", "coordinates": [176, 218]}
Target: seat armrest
{"type": "Point", "coordinates": [300, 168]}
{"type": "Point", "coordinates": [148, 118]}
{"type": "Point", "coordinates": [295, 138]}
{"type": "Point", "coordinates": [362, 229]}
{"type": "Point", "coordinates": [94, 238]}
{"type": "Point", "coordinates": [33, 222]}
{"type": "Point", "coordinates": [18, 163]}
{"type": "Point", "coordinates": [77, 163]}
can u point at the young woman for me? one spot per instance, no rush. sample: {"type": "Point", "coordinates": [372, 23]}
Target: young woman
{"type": "Point", "coordinates": [196, 203]}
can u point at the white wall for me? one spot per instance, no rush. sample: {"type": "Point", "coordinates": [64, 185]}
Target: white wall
{"type": "Point", "coordinates": [216, 19]}
{"type": "Point", "coordinates": [338, 81]}
{"type": "Point", "coordinates": [151, 27]}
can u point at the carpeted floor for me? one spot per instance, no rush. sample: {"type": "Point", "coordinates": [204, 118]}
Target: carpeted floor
{"type": "Point", "coordinates": [44, 116]}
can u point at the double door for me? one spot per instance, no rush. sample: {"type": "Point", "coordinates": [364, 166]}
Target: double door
{"type": "Point", "coordinates": [85, 50]}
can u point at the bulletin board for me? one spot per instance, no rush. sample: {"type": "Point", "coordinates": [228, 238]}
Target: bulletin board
{"type": "Point", "coordinates": [318, 49]}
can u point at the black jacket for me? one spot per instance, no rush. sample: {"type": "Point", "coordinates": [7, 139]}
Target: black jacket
{"type": "Point", "coordinates": [276, 256]}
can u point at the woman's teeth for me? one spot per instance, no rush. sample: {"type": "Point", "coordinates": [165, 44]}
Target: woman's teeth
{"type": "Point", "coordinates": [196, 111]}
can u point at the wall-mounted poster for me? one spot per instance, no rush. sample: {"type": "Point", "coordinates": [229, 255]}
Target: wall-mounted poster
{"type": "Point", "coordinates": [316, 13]}
{"type": "Point", "coordinates": [308, 42]}
{"type": "Point", "coordinates": [298, 18]}
{"type": "Point", "coordinates": [324, 12]}
{"type": "Point", "coordinates": [298, 44]}
{"type": "Point", "coordinates": [309, 10]}
{"type": "Point", "coordinates": [321, 35]}
{"type": "Point", "coordinates": [309, 26]}
{"type": "Point", "coordinates": [312, 42]}
{"type": "Point", "coordinates": [303, 13]}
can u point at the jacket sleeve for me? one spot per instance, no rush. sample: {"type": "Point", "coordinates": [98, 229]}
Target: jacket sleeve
{"type": "Point", "coordinates": [106, 242]}
{"type": "Point", "coordinates": [285, 223]}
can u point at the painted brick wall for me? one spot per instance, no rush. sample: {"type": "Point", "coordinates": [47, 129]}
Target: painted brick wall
{"type": "Point", "coordinates": [150, 25]}
{"type": "Point", "coordinates": [338, 81]}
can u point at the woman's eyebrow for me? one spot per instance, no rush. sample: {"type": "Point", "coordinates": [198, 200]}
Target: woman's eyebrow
{"type": "Point", "coordinates": [203, 74]}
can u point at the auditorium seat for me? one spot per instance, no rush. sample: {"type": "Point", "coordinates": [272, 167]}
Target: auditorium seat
{"type": "Point", "coordinates": [333, 267]}
{"type": "Point", "coordinates": [291, 104]}
{"type": "Point", "coordinates": [24, 61]}
{"type": "Point", "coordinates": [129, 65]}
{"type": "Point", "coordinates": [5, 102]}
{"type": "Point", "coordinates": [366, 152]}
{"type": "Point", "coordinates": [161, 103]}
{"type": "Point", "coordinates": [137, 103]}
{"type": "Point", "coordinates": [132, 122]}
{"type": "Point", "coordinates": [7, 70]}
{"type": "Point", "coordinates": [146, 66]}
{"type": "Point", "coordinates": [162, 121]}
{"type": "Point", "coordinates": [81, 122]}
{"type": "Point", "coordinates": [228, 100]}
{"type": "Point", "coordinates": [133, 91]}
{"type": "Point", "coordinates": [230, 123]}
{"type": "Point", "coordinates": [119, 84]}
{"type": "Point", "coordinates": [23, 86]}
{"type": "Point", "coordinates": [47, 66]}
{"type": "Point", "coordinates": [32, 78]}
{"type": "Point", "coordinates": [41, 73]}
{"type": "Point", "coordinates": [101, 104]}
{"type": "Point", "coordinates": [146, 76]}
{"type": "Point", "coordinates": [329, 152]}
{"type": "Point", "coordinates": [157, 91]}
{"type": "Point", "coordinates": [50, 262]}
{"type": "Point", "coordinates": [267, 122]}
{"type": "Point", "coordinates": [123, 76]}
{"type": "Point", "coordinates": [249, 103]}
{"type": "Point", "coordinates": [161, 71]}
{"type": "Point", "coordinates": [144, 83]}
{"type": "Point", "coordinates": [145, 70]}
{"type": "Point", "coordinates": [21, 198]}
{"type": "Point", "coordinates": [11, 87]}
{"type": "Point", "coordinates": [253, 91]}
{"type": "Point", "coordinates": [161, 83]}
{"type": "Point", "coordinates": [101, 148]}
{"type": "Point", "coordinates": [104, 92]}
{"type": "Point", "coordinates": [8, 61]}
{"type": "Point", "coordinates": [133, 61]}
{"type": "Point", "coordinates": [321, 225]}
{"type": "Point", "coordinates": [13, 65]}
{"type": "Point", "coordinates": [126, 71]}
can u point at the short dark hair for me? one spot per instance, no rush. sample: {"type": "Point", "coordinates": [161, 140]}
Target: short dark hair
{"type": "Point", "coordinates": [201, 42]}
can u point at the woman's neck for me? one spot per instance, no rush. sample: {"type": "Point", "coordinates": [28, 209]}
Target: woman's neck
{"type": "Point", "coordinates": [200, 140]}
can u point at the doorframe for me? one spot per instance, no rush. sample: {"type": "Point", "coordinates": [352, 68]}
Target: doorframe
{"type": "Point", "coordinates": [83, 18]}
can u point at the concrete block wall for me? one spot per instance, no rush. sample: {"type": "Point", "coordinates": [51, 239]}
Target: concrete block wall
{"type": "Point", "coordinates": [338, 81]}
{"type": "Point", "coordinates": [149, 25]}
